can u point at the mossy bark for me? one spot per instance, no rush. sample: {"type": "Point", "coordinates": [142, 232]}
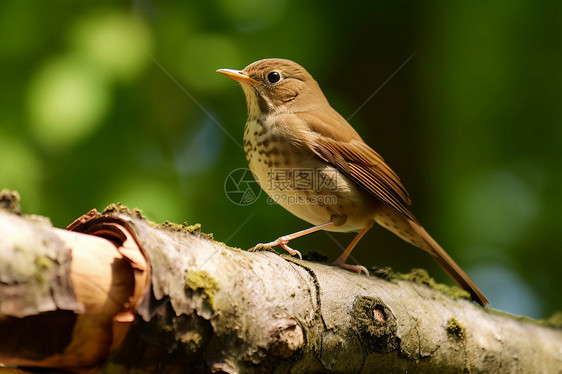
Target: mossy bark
{"type": "Point", "coordinates": [208, 307]}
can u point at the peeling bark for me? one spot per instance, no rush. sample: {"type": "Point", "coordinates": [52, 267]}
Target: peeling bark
{"type": "Point", "coordinates": [207, 307]}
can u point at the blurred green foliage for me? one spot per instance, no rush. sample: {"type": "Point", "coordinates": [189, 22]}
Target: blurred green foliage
{"type": "Point", "coordinates": [107, 103]}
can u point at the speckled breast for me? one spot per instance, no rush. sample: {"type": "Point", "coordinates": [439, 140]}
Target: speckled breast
{"type": "Point", "coordinates": [299, 181]}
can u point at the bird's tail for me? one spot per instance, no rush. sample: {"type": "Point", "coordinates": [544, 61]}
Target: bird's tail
{"type": "Point", "coordinates": [412, 232]}
{"type": "Point", "coordinates": [448, 264]}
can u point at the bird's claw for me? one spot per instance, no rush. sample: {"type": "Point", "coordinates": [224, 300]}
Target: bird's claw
{"type": "Point", "coordinates": [282, 242]}
{"type": "Point", "coordinates": [356, 268]}
{"type": "Point", "coordinates": [257, 247]}
{"type": "Point", "coordinates": [291, 251]}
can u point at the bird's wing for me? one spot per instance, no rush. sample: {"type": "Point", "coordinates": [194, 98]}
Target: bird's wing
{"type": "Point", "coordinates": [346, 150]}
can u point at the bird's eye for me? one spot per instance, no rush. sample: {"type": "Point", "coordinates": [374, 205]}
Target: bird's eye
{"type": "Point", "coordinates": [273, 77]}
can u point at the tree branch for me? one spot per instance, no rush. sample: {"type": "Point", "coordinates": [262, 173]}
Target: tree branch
{"type": "Point", "coordinates": [86, 300]}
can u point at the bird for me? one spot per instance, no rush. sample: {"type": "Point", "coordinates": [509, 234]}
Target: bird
{"type": "Point", "coordinates": [311, 161]}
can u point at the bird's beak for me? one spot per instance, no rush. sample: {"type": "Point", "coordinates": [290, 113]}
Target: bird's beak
{"type": "Point", "coordinates": [238, 75]}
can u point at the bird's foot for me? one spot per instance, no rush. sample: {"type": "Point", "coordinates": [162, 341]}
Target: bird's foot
{"type": "Point", "coordinates": [356, 268]}
{"type": "Point", "coordinates": [261, 246]}
{"type": "Point", "coordinates": [282, 242]}
{"type": "Point", "coordinates": [291, 251]}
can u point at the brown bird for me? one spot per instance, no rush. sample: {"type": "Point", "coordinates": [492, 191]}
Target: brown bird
{"type": "Point", "coordinates": [310, 160]}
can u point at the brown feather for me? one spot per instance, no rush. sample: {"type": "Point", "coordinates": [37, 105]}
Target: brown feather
{"type": "Point", "coordinates": [340, 145]}
{"type": "Point", "coordinates": [450, 266]}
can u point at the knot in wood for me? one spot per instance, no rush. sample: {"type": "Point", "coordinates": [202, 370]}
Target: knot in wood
{"type": "Point", "coordinates": [375, 324]}
{"type": "Point", "coordinates": [287, 338]}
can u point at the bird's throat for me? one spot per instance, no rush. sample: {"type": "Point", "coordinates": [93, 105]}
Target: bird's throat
{"type": "Point", "coordinates": [256, 103]}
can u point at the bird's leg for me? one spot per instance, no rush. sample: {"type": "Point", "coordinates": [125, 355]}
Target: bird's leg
{"type": "Point", "coordinates": [284, 240]}
{"type": "Point", "coordinates": [340, 261]}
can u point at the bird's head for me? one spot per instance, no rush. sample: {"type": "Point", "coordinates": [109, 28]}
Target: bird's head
{"type": "Point", "coordinates": [277, 85]}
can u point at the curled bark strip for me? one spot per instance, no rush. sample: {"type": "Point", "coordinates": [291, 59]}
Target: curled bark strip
{"type": "Point", "coordinates": [67, 299]}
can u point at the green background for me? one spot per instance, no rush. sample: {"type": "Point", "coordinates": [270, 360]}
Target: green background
{"type": "Point", "coordinates": [104, 103]}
